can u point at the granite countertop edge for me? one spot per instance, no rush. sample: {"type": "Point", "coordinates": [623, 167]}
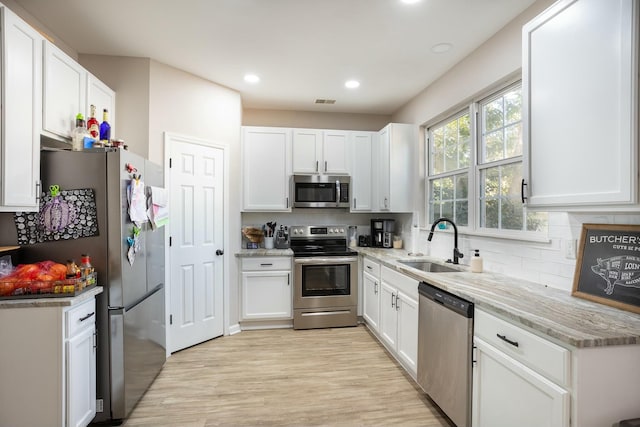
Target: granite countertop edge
{"type": "Point", "coordinates": [552, 312]}
{"type": "Point", "coordinates": [248, 253]}
{"type": "Point", "coordinates": [52, 301]}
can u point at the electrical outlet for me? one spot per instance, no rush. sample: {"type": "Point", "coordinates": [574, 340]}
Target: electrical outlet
{"type": "Point", "coordinates": [99, 405]}
{"type": "Point", "coordinates": [570, 246]}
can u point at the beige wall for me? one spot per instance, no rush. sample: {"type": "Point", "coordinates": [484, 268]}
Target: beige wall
{"type": "Point", "coordinates": [314, 120]}
{"type": "Point", "coordinates": [129, 78]}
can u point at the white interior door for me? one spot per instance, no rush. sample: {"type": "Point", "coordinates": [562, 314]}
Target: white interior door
{"type": "Point", "coordinates": [196, 265]}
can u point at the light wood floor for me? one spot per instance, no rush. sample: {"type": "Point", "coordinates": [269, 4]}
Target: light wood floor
{"type": "Point", "coordinates": [328, 377]}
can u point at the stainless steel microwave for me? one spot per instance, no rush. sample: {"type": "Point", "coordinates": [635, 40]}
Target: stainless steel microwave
{"type": "Point", "coordinates": [320, 191]}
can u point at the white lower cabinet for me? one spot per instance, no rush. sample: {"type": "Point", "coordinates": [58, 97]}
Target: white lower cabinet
{"type": "Point", "coordinates": [266, 288]}
{"type": "Point", "coordinates": [371, 293]}
{"type": "Point", "coordinates": [81, 370]}
{"type": "Point", "coordinates": [518, 378]}
{"type": "Point", "coordinates": [398, 328]}
{"type": "Point", "coordinates": [48, 360]}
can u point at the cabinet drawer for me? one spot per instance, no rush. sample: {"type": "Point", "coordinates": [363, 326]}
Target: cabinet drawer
{"type": "Point", "coordinates": [266, 263]}
{"type": "Point", "coordinates": [401, 282]}
{"type": "Point", "coordinates": [371, 267]}
{"type": "Point", "coordinates": [80, 317]}
{"type": "Point", "coordinates": [541, 355]}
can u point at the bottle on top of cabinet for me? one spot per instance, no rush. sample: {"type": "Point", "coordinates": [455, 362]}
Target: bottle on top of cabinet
{"type": "Point", "coordinates": [105, 128]}
{"type": "Point", "coordinates": [93, 125]}
{"type": "Point", "coordinates": [78, 134]}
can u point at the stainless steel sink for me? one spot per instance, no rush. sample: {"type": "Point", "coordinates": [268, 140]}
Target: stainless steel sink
{"type": "Point", "coordinates": [429, 267]}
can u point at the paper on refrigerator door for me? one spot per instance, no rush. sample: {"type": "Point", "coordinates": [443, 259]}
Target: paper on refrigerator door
{"type": "Point", "coordinates": [137, 202]}
{"type": "Point", "coordinates": [158, 210]}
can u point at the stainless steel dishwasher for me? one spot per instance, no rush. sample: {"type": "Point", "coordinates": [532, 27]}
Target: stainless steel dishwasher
{"type": "Point", "coordinates": [445, 343]}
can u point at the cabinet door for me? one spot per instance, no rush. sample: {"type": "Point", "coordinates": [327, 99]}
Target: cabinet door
{"type": "Point", "coordinates": [336, 153]}
{"type": "Point", "coordinates": [65, 91]}
{"type": "Point", "coordinates": [100, 95]}
{"type": "Point", "coordinates": [408, 331]}
{"type": "Point", "coordinates": [507, 393]}
{"type": "Point", "coordinates": [266, 295]}
{"type": "Point", "coordinates": [307, 151]}
{"type": "Point", "coordinates": [371, 300]}
{"type": "Point", "coordinates": [21, 114]}
{"type": "Point", "coordinates": [384, 184]}
{"type": "Point", "coordinates": [266, 161]}
{"type": "Point", "coordinates": [580, 113]}
{"type": "Point", "coordinates": [388, 315]}
{"type": "Point", "coordinates": [361, 177]}
{"type": "Point", "coordinates": [81, 378]}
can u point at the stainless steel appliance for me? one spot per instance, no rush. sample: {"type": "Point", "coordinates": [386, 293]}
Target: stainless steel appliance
{"type": "Point", "coordinates": [445, 343]}
{"type": "Point", "coordinates": [130, 311]}
{"type": "Point", "coordinates": [382, 233]}
{"type": "Point", "coordinates": [325, 292]}
{"type": "Point", "coordinates": [320, 191]}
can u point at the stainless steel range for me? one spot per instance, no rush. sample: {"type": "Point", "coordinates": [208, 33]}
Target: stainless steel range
{"type": "Point", "coordinates": [325, 293]}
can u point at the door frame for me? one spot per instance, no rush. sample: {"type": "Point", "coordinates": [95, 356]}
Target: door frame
{"type": "Point", "coordinates": [168, 138]}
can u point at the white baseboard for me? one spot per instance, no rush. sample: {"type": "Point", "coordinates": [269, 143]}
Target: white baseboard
{"type": "Point", "coordinates": [234, 329]}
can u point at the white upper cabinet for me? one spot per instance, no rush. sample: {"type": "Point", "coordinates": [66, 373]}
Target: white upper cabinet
{"type": "Point", "coordinates": [396, 172]}
{"type": "Point", "coordinates": [65, 92]}
{"type": "Point", "coordinates": [580, 105]}
{"type": "Point", "coordinates": [335, 151]}
{"type": "Point", "coordinates": [266, 167]}
{"type": "Point", "coordinates": [362, 188]}
{"type": "Point", "coordinates": [100, 95]}
{"type": "Point", "coordinates": [320, 152]}
{"type": "Point", "coordinates": [21, 114]}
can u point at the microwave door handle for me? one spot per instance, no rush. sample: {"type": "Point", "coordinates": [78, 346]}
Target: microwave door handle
{"type": "Point", "coordinates": [337, 193]}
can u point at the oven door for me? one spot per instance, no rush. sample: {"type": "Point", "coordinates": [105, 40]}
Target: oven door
{"type": "Point", "coordinates": [325, 282]}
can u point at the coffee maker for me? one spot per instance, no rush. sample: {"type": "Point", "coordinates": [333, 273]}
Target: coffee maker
{"type": "Point", "coordinates": [382, 233]}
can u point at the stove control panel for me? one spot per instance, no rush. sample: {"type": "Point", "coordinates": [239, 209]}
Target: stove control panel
{"type": "Point", "coordinates": [305, 231]}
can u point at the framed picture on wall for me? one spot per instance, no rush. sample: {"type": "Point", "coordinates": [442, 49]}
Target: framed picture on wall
{"type": "Point", "coordinates": [608, 265]}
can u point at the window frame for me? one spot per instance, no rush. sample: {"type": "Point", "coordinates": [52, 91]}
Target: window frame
{"type": "Point", "coordinates": [475, 168]}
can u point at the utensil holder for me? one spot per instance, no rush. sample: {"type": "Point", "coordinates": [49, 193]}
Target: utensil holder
{"type": "Point", "coordinates": [268, 242]}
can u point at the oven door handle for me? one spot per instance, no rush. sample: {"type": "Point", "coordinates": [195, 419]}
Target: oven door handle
{"type": "Point", "coordinates": [327, 260]}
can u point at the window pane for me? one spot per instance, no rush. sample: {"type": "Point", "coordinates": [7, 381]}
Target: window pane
{"type": "Point", "coordinates": [514, 140]}
{"type": "Point", "coordinates": [447, 188]}
{"type": "Point", "coordinates": [435, 193]}
{"type": "Point", "coordinates": [462, 213]}
{"type": "Point", "coordinates": [462, 184]}
{"type": "Point", "coordinates": [447, 210]}
{"type": "Point", "coordinates": [434, 209]}
{"type": "Point", "coordinates": [490, 183]}
{"type": "Point", "coordinates": [511, 213]}
{"type": "Point", "coordinates": [513, 106]}
{"type": "Point", "coordinates": [437, 156]}
{"type": "Point", "coordinates": [502, 127]}
{"type": "Point", "coordinates": [537, 221]}
{"type": "Point", "coordinates": [451, 146]}
{"type": "Point", "coordinates": [494, 146]}
{"type": "Point", "coordinates": [493, 115]}
{"type": "Point", "coordinates": [491, 214]}
{"type": "Point", "coordinates": [510, 179]}
{"type": "Point", "coordinates": [465, 138]}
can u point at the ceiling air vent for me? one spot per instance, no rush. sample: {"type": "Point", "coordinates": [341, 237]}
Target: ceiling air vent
{"type": "Point", "coordinates": [325, 101]}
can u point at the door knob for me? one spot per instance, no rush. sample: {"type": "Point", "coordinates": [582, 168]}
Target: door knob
{"type": "Point", "coordinates": [219, 252]}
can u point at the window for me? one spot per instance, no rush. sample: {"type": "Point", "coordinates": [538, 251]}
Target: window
{"type": "Point", "coordinates": [450, 154]}
{"type": "Point", "coordinates": [493, 171]}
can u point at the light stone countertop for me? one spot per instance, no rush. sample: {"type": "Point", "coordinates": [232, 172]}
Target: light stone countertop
{"type": "Point", "coordinates": [553, 312]}
{"type": "Point", "coordinates": [247, 253]}
{"type": "Point", "coordinates": [51, 301]}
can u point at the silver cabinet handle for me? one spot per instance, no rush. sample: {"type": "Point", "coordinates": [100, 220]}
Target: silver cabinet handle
{"type": "Point", "coordinates": [325, 165]}
{"type": "Point", "coordinates": [317, 165]}
{"type": "Point", "coordinates": [375, 288]}
{"type": "Point", "coordinates": [393, 300]}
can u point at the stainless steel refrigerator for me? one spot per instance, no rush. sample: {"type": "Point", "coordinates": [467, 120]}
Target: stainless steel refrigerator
{"type": "Point", "coordinates": [130, 318]}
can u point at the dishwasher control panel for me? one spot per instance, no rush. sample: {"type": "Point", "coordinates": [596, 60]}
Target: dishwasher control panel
{"type": "Point", "coordinates": [447, 299]}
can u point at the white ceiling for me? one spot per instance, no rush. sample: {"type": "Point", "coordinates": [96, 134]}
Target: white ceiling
{"type": "Point", "coordinates": [301, 49]}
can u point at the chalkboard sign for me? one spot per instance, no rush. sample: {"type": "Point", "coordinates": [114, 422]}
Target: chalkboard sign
{"type": "Point", "coordinates": [608, 265]}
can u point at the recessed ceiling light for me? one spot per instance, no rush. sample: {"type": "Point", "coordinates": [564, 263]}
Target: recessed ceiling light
{"type": "Point", "coordinates": [410, 1]}
{"type": "Point", "coordinates": [352, 84]}
{"type": "Point", "coordinates": [441, 47]}
{"type": "Point", "coordinates": [251, 78]}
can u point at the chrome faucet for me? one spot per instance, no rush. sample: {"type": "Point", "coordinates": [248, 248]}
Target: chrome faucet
{"type": "Point", "coordinates": [456, 253]}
